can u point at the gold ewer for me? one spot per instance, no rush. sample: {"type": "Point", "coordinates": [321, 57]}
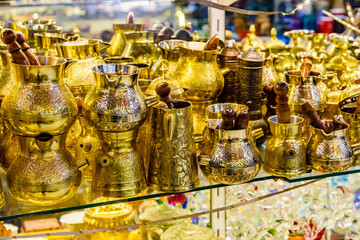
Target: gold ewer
{"type": "Point", "coordinates": [198, 72]}
{"type": "Point", "coordinates": [86, 54]}
{"type": "Point", "coordinates": [116, 108]}
{"type": "Point", "coordinates": [40, 109]}
{"type": "Point", "coordinates": [170, 148]}
{"type": "Point", "coordinates": [285, 154]}
{"type": "Point", "coordinates": [331, 152]}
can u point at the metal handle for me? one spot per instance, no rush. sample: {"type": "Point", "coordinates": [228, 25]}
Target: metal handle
{"type": "Point", "coordinates": [356, 148]}
{"type": "Point", "coordinates": [157, 231]}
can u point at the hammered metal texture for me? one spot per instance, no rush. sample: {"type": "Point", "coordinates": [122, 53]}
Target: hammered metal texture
{"type": "Point", "coordinates": [329, 152]}
{"type": "Point", "coordinates": [229, 156]}
{"type": "Point", "coordinates": [43, 176]}
{"type": "Point", "coordinates": [250, 90]}
{"type": "Point", "coordinates": [285, 154]}
{"type": "Point", "coordinates": [119, 170]}
{"type": "Point", "coordinates": [170, 149]}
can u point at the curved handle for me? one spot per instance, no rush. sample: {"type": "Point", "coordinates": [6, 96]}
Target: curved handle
{"type": "Point", "coordinates": [356, 148]}
{"type": "Point", "coordinates": [151, 100]}
{"type": "Point", "coordinates": [204, 159]}
{"type": "Point", "coordinates": [169, 124]}
{"type": "Point", "coordinates": [257, 133]}
{"type": "Point", "coordinates": [157, 231]}
{"type": "Point", "coordinates": [225, 70]}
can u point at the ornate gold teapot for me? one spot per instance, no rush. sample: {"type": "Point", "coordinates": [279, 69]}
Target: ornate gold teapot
{"type": "Point", "coordinates": [41, 109]}
{"type": "Point", "coordinates": [116, 108]}
{"type": "Point", "coordinates": [158, 212]}
{"type": "Point", "coordinates": [142, 47]}
{"type": "Point", "coordinates": [169, 54]}
{"type": "Point", "coordinates": [86, 54]}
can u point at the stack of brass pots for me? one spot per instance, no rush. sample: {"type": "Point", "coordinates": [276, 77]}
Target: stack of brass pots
{"type": "Point", "coordinates": [116, 108]}
{"type": "Point", "coordinates": [285, 154]}
{"type": "Point", "coordinates": [228, 59]}
{"type": "Point", "coordinates": [250, 88]}
{"type": "Point", "coordinates": [118, 41]}
{"type": "Point", "coordinates": [85, 54]}
{"type": "Point", "coordinates": [169, 55]}
{"type": "Point", "coordinates": [170, 151]}
{"type": "Point", "coordinates": [198, 72]}
{"type": "Point", "coordinates": [40, 109]}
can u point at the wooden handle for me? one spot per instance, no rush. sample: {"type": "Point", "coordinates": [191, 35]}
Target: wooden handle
{"type": "Point", "coordinates": [212, 43]}
{"type": "Point", "coordinates": [8, 37]}
{"type": "Point", "coordinates": [228, 116]}
{"type": "Point", "coordinates": [337, 124]}
{"type": "Point", "coordinates": [242, 120]}
{"type": "Point", "coordinates": [306, 66]}
{"type": "Point", "coordinates": [310, 112]}
{"type": "Point", "coordinates": [282, 106]}
{"type": "Point", "coordinates": [163, 91]}
{"type": "Point", "coordinates": [20, 39]}
{"type": "Point", "coordinates": [130, 18]}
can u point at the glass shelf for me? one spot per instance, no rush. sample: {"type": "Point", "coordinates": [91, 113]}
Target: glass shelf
{"type": "Point", "coordinates": [85, 199]}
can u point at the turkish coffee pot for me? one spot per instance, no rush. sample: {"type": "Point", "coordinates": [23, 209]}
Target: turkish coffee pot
{"type": "Point", "coordinates": [116, 108]}
{"type": "Point", "coordinates": [48, 40]}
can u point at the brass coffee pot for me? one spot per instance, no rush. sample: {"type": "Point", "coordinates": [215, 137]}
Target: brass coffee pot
{"type": "Point", "coordinates": [116, 108]}
{"type": "Point", "coordinates": [142, 47]}
{"type": "Point", "coordinates": [169, 54]}
{"type": "Point", "coordinates": [118, 41]}
{"type": "Point", "coordinates": [85, 54]}
{"type": "Point", "coordinates": [48, 40]}
{"type": "Point", "coordinates": [40, 109]}
{"type": "Point", "coordinates": [31, 28]}
{"type": "Point", "coordinates": [318, 61]}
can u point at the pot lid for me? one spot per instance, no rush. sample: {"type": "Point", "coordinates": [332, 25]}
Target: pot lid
{"type": "Point", "coordinates": [230, 49]}
{"type": "Point", "coordinates": [251, 58]}
{"type": "Point", "coordinates": [349, 95]}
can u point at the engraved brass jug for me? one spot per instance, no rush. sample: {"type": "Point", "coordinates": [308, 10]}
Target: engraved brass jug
{"type": "Point", "coordinates": [330, 152]}
{"type": "Point", "coordinates": [116, 108]}
{"type": "Point", "coordinates": [229, 156]}
{"type": "Point", "coordinates": [142, 47]}
{"type": "Point", "coordinates": [170, 149]}
{"type": "Point", "coordinates": [118, 41]}
{"type": "Point", "coordinates": [169, 54]}
{"type": "Point", "coordinates": [285, 154]}
{"type": "Point", "coordinates": [85, 54]}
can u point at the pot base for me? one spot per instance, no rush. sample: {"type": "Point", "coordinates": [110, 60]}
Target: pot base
{"type": "Point", "coordinates": [284, 173]}
{"type": "Point", "coordinates": [330, 166]}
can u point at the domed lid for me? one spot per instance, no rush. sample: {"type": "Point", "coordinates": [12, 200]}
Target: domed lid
{"type": "Point", "coordinates": [274, 43]}
{"type": "Point", "coordinates": [165, 33]}
{"type": "Point", "coordinates": [230, 49]}
{"type": "Point", "coordinates": [187, 232]}
{"type": "Point", "coordinates": [251, 58]}
{"type": "Point", "coordinates": [163, 211]}
{"type": "Point", "coordinates": [182, 34]}
{"type": "Point", "coordinates": [350, 95]}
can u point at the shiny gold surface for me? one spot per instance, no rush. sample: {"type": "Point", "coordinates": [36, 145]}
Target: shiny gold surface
{"type": "Point", "coordinates": [79, 50]}
{"type": "Point", "coordinates": [170, 149]}
{"type": "Point", "coordinates": [142, 47]}
{"type": "Point", "coordinates": [229, 156]}
{"type": "Point", "coordinates": [177, 92]}
{"type": "Point", "coordinates": [48, 40]}
{"type": "Point", "coordinates": [329, 152]}
{"type": "Point", "coordinates": [118, 60]}
{"type": "Point", "coordinates": [31, 29]}
{"type": "Point", "coordinates": [6, 72]}
{"type": "Point", "coordinates": [274, 45]}
{"type": "Point", "coordinates": [118, 41]}
{"type": "Point", "coordinates": [285, 154]}
{"type": "Point", "coordinates": [251, 40]}
{"type": "Point", "coordinates": [353, 132]}
{"type": "Point", "coordinates": [318, 61]}
{"type": "Point", "coordinates": [44, 172]}
{"type": "Point", "coordinates": [39, 101]}
{"type": "Point", "coordinates": [198, 72]}
{"type": "Point", "coordinates": [169, 55]}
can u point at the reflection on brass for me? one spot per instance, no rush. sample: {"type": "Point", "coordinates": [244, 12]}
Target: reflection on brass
{"type": "Point", "coordinates": [142, 47]}
{"type": "Point", "coordinates": [169, 55]}
{"type": "Point", "coordinates": [39, 101]}
{"type": "Point", "coordinates": [116, 108]}
{"type": "Point", "coordinates": [31, 30]}
{"type": "Point", "coordinates": [330, 152]}
{"type": "Point", "coordinates": [44, 172]}
{"type": "Point", "coordinates": [118, 41]}
{"type": "Point", "coordinates": [86, 55]}
{"type": "Point", "coordinates": [9, 147]}
{"type": "Point", "coordinates": [170, 149]}
{"type": "Point", "coordinates": [144, 69]}
{"type": "Point", "coordinates": [229, 156]}
{"type": "Point", "coordinates": [285, 154]}
{"type": "Point", "coordinates": [6, 72]}
{"type": "Point", "coordinates": [48, 40]}
{"type": "Point", "coordinates": [118, 60]}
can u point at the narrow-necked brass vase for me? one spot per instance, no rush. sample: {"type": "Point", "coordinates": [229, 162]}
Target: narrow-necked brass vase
{"type": "Point", "coordinates": [169, 54]}
{"type": "Point", "coordinates": [198, 72]}
{"type": "Point", "coordinates": [116, 108]}
{"type": "Point", "coordinates": [250, 88]}
{"type": "Point", "coordinates": [41, 109]}
{"type": "Point", "coordinates": [330, 152]}
{"type": "Point", "coordinates": [85, 54]}
{"type": "Point", "coordinates": [142, 47]}
{"type": "Point", "coordinates": [170, 149]}
{"type": "Point", "coordinates": [228, 58]}
{"type": "Point", "coordinates": [229, 156]}
{"type": "Point", "coordinates": [118, 41]}
{"type": "Point", "coordinates": [285, 154]}
{"type": "Point", "coordinates": [39, 101]}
